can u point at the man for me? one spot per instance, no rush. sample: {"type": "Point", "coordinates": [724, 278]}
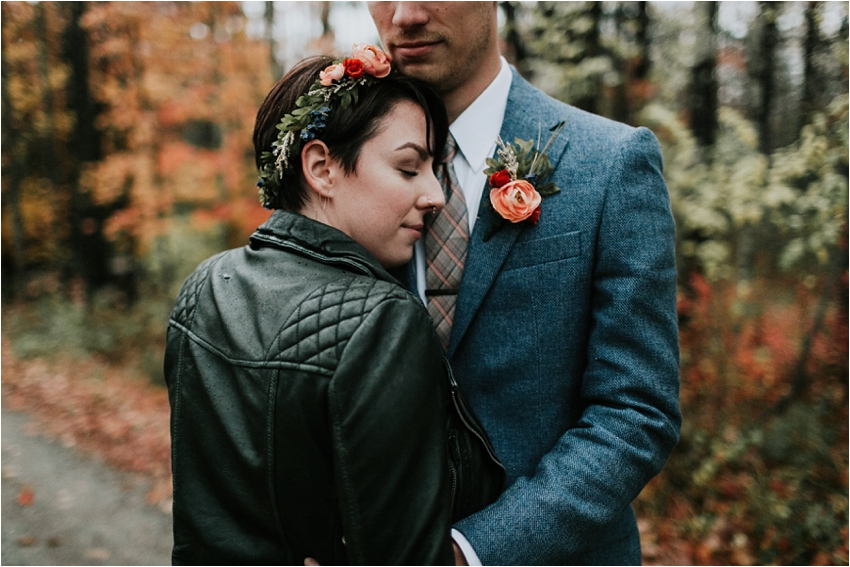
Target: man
{"type": "Point", "coordinates": [563, 333]}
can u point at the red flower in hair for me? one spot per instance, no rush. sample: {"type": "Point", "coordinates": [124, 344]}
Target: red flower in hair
{"type": "Point", "coordinates": [354, 68]}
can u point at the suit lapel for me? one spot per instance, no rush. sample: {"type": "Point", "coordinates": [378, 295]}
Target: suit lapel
{"type": "Point", "coordinates": [527, 108]}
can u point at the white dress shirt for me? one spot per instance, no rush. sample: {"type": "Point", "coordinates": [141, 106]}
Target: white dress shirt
{"type": "Point", "coordinates": [475, 132]}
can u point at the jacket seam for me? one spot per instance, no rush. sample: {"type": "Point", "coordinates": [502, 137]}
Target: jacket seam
{"type": "Point", "coordinates": [244, 363]}
{"type": "Point", "coordinates": [271, 460]}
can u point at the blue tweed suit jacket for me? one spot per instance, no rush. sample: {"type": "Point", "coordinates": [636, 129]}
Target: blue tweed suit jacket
{"type": "Point", "coordinates": [566, 345]}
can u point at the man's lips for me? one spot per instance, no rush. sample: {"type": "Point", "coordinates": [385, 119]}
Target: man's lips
{"type": "Point", "coordinates": [414, 49]}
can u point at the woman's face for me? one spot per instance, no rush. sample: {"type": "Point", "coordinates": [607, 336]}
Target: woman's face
{"type": "Point", "coordinates": [383, 205]}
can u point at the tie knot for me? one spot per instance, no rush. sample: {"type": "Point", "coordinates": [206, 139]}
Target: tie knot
{"type": "Point", "coordinates": [450, 149]}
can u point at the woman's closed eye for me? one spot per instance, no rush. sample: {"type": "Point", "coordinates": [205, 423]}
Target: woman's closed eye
{"type": "Point", "coordinates": [410, 159]}
{"type": "Point", "coordinates": [409, 166]}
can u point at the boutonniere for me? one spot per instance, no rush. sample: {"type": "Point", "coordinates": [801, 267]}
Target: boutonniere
{"type": "Point", "coordinates": [518, 180]}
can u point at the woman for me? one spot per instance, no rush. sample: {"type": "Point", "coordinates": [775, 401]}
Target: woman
{"type": "Point", "coordinates": [312, 413]}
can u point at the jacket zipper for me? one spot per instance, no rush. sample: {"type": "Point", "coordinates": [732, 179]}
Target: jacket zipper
{"type": "Point", "coordinates": [453, 468]}
{"type": "Point", "coordinates": [463, 418]}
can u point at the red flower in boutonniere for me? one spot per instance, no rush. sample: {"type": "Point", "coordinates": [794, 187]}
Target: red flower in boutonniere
{"type": "Point", "coordinates": [518, 177]}
{"type": "Point", "coordinates": [501, 177]}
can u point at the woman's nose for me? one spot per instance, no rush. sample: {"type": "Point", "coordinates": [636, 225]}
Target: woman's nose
{"type": "Point", "coordinates": [432, 195]}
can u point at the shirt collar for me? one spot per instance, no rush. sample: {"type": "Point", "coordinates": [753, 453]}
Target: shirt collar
{"type": "Point", "coordinates": [476, 129]}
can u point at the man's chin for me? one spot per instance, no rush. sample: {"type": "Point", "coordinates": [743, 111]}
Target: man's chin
{"type": "Point", "coordinates": [427, 71]}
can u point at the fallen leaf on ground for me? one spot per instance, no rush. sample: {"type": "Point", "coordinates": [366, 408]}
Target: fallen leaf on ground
{"type": "Point", "coordinates": [26, 497]}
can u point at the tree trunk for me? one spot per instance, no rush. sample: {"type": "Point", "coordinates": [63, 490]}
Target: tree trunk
{"type": "Point", "coordinates": [88, 257]}
{"type": "Point", "coordinates": [619, 95]}
{"type": "Point", "coordinates": [14, 265]}
{"type": "Point", "coordinates": [765, 67]}
{"type": "Point", "coordinates": [592, 48]}
{"type": "Point", "coordinates": [641, 70]}
{"type": "Point", "coordinates": [326, 18]}
{"type": "Point", "coordinates": [629, 95]}
{"type": "Point", "coordinates": [702, 99]}
{"type": "Point", "coordinates": [811, 45]}
{"type": "Point", "coordinates": [276, 67]}
{"type": "Point", "coordinates": [516, 51]}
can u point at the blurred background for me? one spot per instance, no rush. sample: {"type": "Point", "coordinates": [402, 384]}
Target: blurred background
{"type": "Point", "coordinates": [127, 159]}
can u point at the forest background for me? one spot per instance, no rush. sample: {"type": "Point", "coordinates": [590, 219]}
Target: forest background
{"type": "Point", "coordinates": [127, 159]}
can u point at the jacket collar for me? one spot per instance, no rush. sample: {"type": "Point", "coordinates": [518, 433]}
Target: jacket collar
{"type": "Point", "coordinates": [315, 240]}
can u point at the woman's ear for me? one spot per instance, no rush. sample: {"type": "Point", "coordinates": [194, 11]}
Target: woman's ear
{"type": "Point", "coordinates": [318, 167]}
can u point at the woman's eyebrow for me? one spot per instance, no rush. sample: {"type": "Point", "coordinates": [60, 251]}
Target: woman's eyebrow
{"type": "Point", "coordinates": [423, 153]}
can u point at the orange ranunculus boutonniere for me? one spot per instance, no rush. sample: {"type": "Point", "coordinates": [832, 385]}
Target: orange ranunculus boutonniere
{"type": "Point", "coordinates": [515, 201]}
{"type": "Point", "coordinates": [518, 179]}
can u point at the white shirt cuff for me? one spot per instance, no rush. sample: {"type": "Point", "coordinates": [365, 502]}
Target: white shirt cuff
{"type": "Point", "coordinates": [465, 548]}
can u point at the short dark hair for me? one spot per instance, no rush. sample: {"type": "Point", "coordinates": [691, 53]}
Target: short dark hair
{"type": "Point", "coordinates": [346, 129]}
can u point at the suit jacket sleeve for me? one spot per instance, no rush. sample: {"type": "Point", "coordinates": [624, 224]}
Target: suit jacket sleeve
{"type": "Point", "coordinates": [629, 388]}
{"type": "Point", "coordinates": [388, 419]}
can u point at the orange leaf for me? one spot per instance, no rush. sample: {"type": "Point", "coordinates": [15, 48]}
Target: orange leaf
{"type": "Point", "coordinates": [26, 497]}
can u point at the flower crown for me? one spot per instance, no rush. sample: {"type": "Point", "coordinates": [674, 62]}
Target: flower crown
{"type": "Point", "coordinates": [338, 85]}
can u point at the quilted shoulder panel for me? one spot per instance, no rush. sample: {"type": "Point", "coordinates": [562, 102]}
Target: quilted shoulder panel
{"type": "Point", "coordinates": [187, 299]}
{"type": "Point", "coordinates": [318, 331]}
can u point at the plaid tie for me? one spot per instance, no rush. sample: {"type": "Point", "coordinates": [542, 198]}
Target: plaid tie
{"type": "Point", "coordinates": [446, 242]}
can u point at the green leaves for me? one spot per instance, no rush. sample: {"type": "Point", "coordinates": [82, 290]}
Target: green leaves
{"type": "Point", "coordinates": [345, 100]}
{"type": "Point", "coordinates": [794, 201]}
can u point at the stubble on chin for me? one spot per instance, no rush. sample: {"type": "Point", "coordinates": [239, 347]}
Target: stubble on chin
{"type": "Point", "coordinates": [442, 74]}
{"type": "Point", "coordinates": [434, 76]}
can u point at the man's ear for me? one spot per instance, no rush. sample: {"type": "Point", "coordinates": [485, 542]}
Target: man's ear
{"type": "Point", "coordinates": [318, 168]}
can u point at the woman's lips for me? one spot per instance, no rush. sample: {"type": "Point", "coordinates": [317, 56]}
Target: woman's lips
{"type": "Point", "coordinates": [415, 229]}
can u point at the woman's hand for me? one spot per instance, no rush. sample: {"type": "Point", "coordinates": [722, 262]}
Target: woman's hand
{"type": "Point", "coordinates": [460, 558]}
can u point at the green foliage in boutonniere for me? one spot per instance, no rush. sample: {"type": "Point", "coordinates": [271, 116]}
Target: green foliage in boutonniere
{"type": "Point", "coordinates": [518, 177]}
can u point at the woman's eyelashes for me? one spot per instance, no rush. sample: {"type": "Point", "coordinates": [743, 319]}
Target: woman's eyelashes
{"type": "Point", "coordinates": [409, 168]}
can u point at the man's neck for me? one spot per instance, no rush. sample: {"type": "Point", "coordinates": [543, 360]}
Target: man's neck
{"type": "Point", "coordinates": [460, 98]}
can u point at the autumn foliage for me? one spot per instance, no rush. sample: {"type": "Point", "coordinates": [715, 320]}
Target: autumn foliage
{"type": "Point", "coordinates": [127, 160]}
{"type": "Point", "coordinates": [157, 135]}
{"type": "Point", "coordinates": [760, 474]}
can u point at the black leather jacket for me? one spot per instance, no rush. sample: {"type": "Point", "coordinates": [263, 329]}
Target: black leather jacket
{"type": "Point", "coordinates": [310, 402]}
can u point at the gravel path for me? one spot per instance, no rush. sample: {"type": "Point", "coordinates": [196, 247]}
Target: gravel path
{"type": "Point", "coordinates": [81, 511]}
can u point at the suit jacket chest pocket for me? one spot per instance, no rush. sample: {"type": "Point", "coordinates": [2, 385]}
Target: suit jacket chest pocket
{"type": "Point", "coordinates": [544, 251]}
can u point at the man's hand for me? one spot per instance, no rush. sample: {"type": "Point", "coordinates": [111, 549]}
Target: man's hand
{"type": "Point", "coordinates": [460, 559]}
